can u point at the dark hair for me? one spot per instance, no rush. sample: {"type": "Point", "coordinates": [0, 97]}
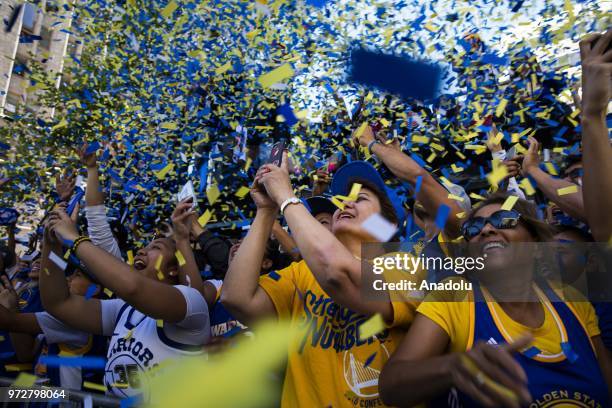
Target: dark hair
{"type": "Point", "coordinates": [280, 260]}
{"type": "Point", "coordinates": [386, 206]}
{"type": "Point", "coordinates": [559, 229]}
{"type": "Point", "coordinates": [541, 231]}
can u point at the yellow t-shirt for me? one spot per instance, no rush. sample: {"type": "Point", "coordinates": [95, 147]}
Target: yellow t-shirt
{"type": "Point", "coordinates": [457, 320]}
{"type": "Point", "coordinates": [328, 365]}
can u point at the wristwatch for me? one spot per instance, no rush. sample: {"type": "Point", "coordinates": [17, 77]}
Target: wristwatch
{"type": "Point", "coordinates": [287, 202]}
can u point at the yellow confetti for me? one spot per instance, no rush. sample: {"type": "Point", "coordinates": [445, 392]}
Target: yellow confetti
{"type": "Point", "coordinates": [169, 9]}
{"type": "Point", "coordinates": [527, 187]}
{"type": "Point", "coordinates": [158, 262]}
{"type": "Point", "coordinates": [129, 334]}
{"type": "Point", "coordinates": [168, 125]}
{"type": "Point", "coordinates": [276, 75]}
{"type": "Point", "coordinates": [223, 68]}
{"type": "Point", "coordinates": [242, 191]}
{"type": "Point", "coordinates": [461, 215]}
{"type": "Point", "coordinates": [509, 203]}
{"type": "Point", "coordinates": [108, 292]}
{"type": "Point", "coordinates": [361, 129]}
{"type": "Point", "coordinates": [130, 256]}
{"type": "Point", "coordinates": [60, 125]}
{"type": "Point", "coordinates": [180, 258]}
{"type": "Point", "coordinates": [456, 198]}
{"type": "Point", "coordinates": [160, 323]}
{"type": "Point", "coordinates": [94, 386]}
{"type": "Point", "coordinates": [24, 380]}
{"type": "Point", "coordinates": [420, 139]}
{"type": "Point", "coordinates": [18, 367]}
{"type": "Point", "coordinates": [204, 218]}
{"type": "Point", "coordinates": [160, 275]}
{"type": "Point", "coordinates": [163, 172]}
{"type": "Point", "coordinates": [567, 190]}
{"type": "Point", "coordinates": [371, 327]}
{"type": "Point", "coordinates": [497, 175]}
{"type": "Point", "coordinates": [355, 189]}
{"type": "Point", "coordinates": [501, 107]}
{"type": "Point", "coordinates": [337, 203]}
{"type": "Point", "coordinates": [551, 169]}
{"type": "Point", "coordinates": [212, 193]}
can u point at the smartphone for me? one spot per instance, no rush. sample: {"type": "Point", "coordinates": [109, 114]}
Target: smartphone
{"type": "Point", "coordinates": [511, 153]}
{"type": "Point", "coordinates": [276, 154]}
{"type": "Point", "coordinates": [187, 192]}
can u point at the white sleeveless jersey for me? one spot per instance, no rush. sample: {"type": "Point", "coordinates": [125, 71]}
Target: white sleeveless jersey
{"type": "Point", "coordinates": [138, 345]}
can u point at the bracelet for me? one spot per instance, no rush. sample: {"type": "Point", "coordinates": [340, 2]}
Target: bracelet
{"type": "Point", "coordinates": [371, 144]}
{"type": "Point", "coordinates": [289, 201]}
{"type": "Point", "coordinates": [78, 242]}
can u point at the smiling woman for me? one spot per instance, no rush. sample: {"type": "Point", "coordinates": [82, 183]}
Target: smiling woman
{"type": "Point", "coordinates": [452, 351]}
{"type": "Point", "coordinates": [328, 279]}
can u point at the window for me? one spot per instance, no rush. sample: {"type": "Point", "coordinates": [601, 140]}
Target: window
{"type": "Point", "coordinates": [29, 17]}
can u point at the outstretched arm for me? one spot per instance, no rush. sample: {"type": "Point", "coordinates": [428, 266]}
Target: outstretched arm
{"type": "Point", "coordinates": [570, 204]}
{"type": "Point", "coordinates": [597, 154]}
{"type": "Point", "coordinates": [152, 298]}
{"type": "Point", "coordinates": [241, 292]}
{"type": "Point", "coordinates": [431, 193]}
{"type": "Point", "coordinates": [83, 314]}
{"type": "Point", "coordinates": [335, 268]}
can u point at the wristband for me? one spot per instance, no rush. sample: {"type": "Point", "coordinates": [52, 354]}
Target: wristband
{"type": "Point", "coordinates": [371, 144]}
{"type": "Point", "coordinates": [78, 242]}
{"type": "Point", "coordinates": [287, 202]}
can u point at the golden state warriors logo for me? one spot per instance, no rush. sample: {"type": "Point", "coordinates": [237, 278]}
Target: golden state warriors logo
{"type": "Point", "coordinates": [565, 399]}
{"type": "Point", "coordinates": [362, 375]}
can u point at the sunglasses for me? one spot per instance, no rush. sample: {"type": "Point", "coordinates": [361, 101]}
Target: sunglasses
{"type": "Point", "coordinates": [502, 219]}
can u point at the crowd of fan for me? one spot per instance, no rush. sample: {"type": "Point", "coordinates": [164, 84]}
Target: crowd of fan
{"type": "Point", "coordinates": [78, 291]}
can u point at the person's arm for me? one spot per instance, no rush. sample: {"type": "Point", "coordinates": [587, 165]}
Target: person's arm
{"type": "Point", "coordinates": [596, 150]}
{"type": "Point", "coordinates": [241, 293]}
{"type": "Point", "coordinates": [93, 194]}
{"type": "Point", "coordinates": [431, 193]}
{"type": "Point", "coordinates": [335, 268]}
{"type": "Point", "coordinates": [182, 220]}
{"type": "Point", "coordinates": [153, 298]}
{"type": "Point", "coordinates": [97, 224]}
{"type": "Point", "coordinates": [286, 241]}
{"type": "Point", "coordinates": [22, 327]}
{"type": "Point", "coordinates": [570, 204]}
{"type": "Point", "coordinates": [76, 311]}
{"type": "Point", "coordinates": [419, 369]}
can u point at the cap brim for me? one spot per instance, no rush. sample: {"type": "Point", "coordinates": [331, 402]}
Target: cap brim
{"type": "Point", "coordinates": [320, 204]}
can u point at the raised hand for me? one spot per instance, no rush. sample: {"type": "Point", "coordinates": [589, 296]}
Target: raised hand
{"type": "Point", "coordinates": [531, 160]}
{"type": "Point", "coordinates": [182, 219]}
{"type": "Point", "coordinates": [62, 225]}
{"type": "Point", "coordinates": [596, 57]}
{"type": "Point", "coordinates": [89, 160]}
{"type": "Point", "coordinates": [276, 181]}
{"type": "Point", "coordinates": [258, 192]}
{"type": "Point", "coordinates": [491, 376]}
{"type": "Point", "coordinates": [64, 185]}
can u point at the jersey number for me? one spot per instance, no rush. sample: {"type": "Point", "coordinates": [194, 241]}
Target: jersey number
{"type": "Point", "coordinates": [128, 374]}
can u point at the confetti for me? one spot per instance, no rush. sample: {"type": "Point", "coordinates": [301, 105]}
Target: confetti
{"type": "Point", "coordinates": [276, 75]}
{"type": "Point", "coordinates": [180, 258]}
{"type": "Point", "coordinates": [371, 327]}
{"type": "Point", "coordinates": [509, 203]}
{"type": "Point", "coordinates": [567, 190]}
{"type": "Point", "coordinates": [378, 227]}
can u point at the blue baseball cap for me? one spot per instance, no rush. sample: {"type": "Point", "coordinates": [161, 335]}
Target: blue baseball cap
{"type": "Point", "coordinates": [345, 176]}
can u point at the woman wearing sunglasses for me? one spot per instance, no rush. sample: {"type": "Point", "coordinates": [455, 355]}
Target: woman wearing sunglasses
{"type": "Point", "coordinates": [480, 351]}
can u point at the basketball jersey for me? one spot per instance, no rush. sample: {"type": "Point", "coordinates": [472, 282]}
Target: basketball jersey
{"type": "Point", "coordinates": [139, 344]}
{"type": "Point", "coordinates": [573, 380]}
